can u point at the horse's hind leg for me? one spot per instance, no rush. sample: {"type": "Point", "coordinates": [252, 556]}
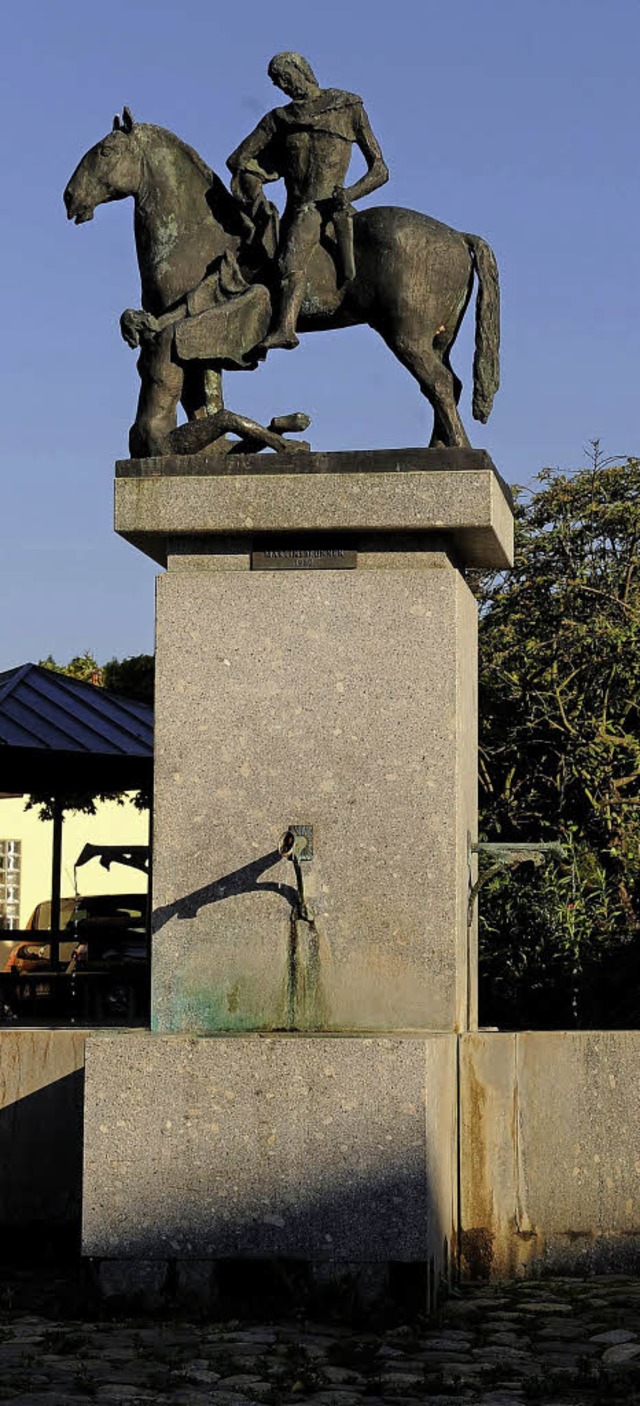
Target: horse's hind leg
{"type": "Point", "coordinates": [438, 383]}
{"type": "Point", "coordinates": [457, 383]}
{"type": "Point", "coordinates": [440, 431]}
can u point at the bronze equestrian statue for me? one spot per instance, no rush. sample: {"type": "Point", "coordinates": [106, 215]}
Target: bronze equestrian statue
{"type": "Point", "coordinates": [222, 284]}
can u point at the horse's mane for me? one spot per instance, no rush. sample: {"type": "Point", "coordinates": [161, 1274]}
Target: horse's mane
{"type": "Point", "coordinates": [173, 140]}
{"type": "Point", "coordinates": [222, 203]}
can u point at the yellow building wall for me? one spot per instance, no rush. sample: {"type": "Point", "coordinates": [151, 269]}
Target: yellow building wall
{"type": "Point", "coordinates": [112, 824]}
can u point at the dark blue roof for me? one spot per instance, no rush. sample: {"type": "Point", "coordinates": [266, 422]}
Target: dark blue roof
{"type": "Point", "coordinates": [43, 710]}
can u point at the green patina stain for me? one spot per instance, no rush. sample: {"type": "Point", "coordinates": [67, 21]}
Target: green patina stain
{"type": "Point", "coordinates": [197, 1005]}
{"type": "Point", "coordinates": [209, 1009]}
{"type": "Point", "coordinates": [200, 1007]}
{"type": "Point", "coordinates": [166, 237]}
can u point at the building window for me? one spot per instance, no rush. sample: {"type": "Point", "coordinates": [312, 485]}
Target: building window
{"type": "Point", "coordinates": [9, 884]}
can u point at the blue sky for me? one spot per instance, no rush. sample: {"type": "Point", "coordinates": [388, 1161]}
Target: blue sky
{"type": "Point", "coordinates": [515, 121]}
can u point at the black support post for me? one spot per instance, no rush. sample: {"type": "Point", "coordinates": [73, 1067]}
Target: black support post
{"type": "Point", "coordinates": [56, 882]}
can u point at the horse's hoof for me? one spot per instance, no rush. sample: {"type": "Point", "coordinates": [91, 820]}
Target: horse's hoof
{"type": "Point", "coordinates": [279, 342]}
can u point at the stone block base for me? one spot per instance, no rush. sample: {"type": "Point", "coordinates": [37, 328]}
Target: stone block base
{"type": "Point", "coordinates": [332, 1151]}
{"type": "Point", "coordinates": [550, 1153]}
{"type": "Point", "coordinates": [241, 1287]}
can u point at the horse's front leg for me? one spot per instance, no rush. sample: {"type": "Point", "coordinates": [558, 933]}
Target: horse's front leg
{"type": "Point", "coordinates": [161, 386]}
{"type": "Point", "coordinates": [201, 392]}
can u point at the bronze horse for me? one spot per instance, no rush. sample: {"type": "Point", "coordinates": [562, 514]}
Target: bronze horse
{"type": "Point", "coordinates": [414, 279]}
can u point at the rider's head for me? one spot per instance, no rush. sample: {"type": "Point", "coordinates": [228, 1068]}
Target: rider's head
{"type": "Point", "coordinates": [293, 74]}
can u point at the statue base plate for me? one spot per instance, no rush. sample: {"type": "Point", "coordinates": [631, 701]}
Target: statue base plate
{"type": "Point", "coordinates": [456, 494]}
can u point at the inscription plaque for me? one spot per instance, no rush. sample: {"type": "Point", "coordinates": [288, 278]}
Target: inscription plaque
{"type": "Point", "coordinates": [304, 559]}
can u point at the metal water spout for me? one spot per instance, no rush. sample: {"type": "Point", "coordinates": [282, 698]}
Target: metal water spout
{"type": "Point", "coordinates": [297, 844]}
{"type": "Point", "coordinates": [305, 1002]}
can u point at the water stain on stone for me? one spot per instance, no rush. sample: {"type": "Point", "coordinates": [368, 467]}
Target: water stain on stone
{"type": "Point", "coordinates": [476, 1245]}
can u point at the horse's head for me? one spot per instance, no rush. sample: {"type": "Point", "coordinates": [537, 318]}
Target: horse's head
{"type": "Point", "coordinates": [109, 171]}
{"type": "Point", "coordinates": [184, 217]}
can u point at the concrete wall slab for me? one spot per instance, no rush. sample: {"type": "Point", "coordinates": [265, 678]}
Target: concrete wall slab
{"type": "Point", "coordinates": [550, 1139]}
{"type": "Point", "coordinates": [41, 1114]}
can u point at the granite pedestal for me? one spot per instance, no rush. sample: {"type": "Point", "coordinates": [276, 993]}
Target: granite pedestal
{"type": "Point", "coordinates": [333, 1151]}
{"type": "Point", "coordinates": [315, 669]}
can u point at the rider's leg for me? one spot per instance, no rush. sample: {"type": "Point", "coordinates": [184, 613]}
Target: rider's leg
{"type": "Point", "coordinates": [301, 236]}
{"type": "Point", "coordinates": [291, 297]}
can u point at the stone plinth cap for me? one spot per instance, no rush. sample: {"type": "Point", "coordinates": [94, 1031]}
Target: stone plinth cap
{"type": "Point", "coordinates": [455, 494]}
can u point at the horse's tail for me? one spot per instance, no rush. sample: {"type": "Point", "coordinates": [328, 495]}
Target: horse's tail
{"type": "Point", "coordinates": [486, 362]}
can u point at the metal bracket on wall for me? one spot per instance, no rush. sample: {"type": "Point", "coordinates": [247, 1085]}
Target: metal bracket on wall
{"type": "Point", "coordinates": [508, 855]}
{"type": "Point", "coordinates": [302, 844]}
{"type": "Point", "coordinates": [297, 845]}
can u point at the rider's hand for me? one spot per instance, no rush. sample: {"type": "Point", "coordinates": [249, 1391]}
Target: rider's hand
{"type": "Point", "coordinates": [340, 198]}
{"type": "Point", "coordinates": [129, 327]}
{"type": "Point", "coordinates": [136, 325]}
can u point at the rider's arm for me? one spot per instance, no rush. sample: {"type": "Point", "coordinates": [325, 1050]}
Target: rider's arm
{"type": "Point", "coordinates": [377, 172]}
{"type": "Point", "coordinates": [247, 175]}
{"type": "Point", "coordinates": [253, 146]}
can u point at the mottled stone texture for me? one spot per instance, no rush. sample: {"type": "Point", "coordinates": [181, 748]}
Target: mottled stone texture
{"type": "Point", "coordinates": [402, 491]}
{"type": "Point", "coordinates": [345, 700]}
{"type": "Point", "coordinates": [550, 1152]}
{"type": "Point", "coordinates": [318, 1148]}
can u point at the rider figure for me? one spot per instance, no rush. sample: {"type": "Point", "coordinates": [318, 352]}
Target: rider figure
{"type": "Point", "coordinates": [308, 143]}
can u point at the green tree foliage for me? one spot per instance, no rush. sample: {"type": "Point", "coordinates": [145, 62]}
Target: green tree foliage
{"type": "Point", "coordinates": [132, 677]}
{"type": "Point", "coordinates": [82, 666]}
{"type": "Point", "coordinates": [560, 753]}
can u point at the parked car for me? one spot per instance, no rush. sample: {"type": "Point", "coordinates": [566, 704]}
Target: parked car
{"type": "Point", "coordinates": [40, 920]}
{"type": "Point", "coordinates": [109, 914]}
{"type": "Point", "coordinates": [28, 957]}
{"type": "Point", "coordinates": [103, 951]}
{"type": "Point", "coordinates": [36, 955]}
{"type": "Point", "coordinates": [30, 987]}
{"type": "Point", "coordinates": [109, 967]}
{"type": "Point", "coordinates": [31, 957]}
{"type": "Point", "coordinates": [110, 932]}
{"type": "Point", "coordinates": [121, 912]}
{"type": "Point", "coordinates": [102, 972]}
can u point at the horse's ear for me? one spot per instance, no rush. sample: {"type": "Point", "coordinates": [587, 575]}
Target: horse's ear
{"type": "Point", "coordinates": [116, 123]}
{"type": "Point", "coordinates": [127, 120]}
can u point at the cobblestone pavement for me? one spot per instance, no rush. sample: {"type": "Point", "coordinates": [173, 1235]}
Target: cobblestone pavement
{"type": "Point", "coordinates": [557, 1341]}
